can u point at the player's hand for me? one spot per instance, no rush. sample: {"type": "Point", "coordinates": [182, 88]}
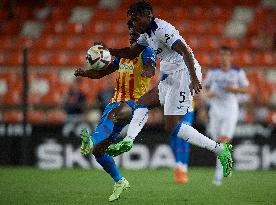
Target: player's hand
{"type": "Point", "coordinates": [195, 86]}
{"type": "Point", "coordinates": [79, 72]}
{"type": "Point", "coordinates": [231, 88]}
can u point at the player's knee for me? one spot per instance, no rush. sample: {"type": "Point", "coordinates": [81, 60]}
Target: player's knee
{"type": "Point", "coordinates": [120, 116]}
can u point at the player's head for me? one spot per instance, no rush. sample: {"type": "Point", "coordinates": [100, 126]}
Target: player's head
{"type": "Point", "coordinates": [226, 56]}
{"type": "Point", "coordinates": [140, 13]}
{"type": "Point", "coordinates": [133, 34]}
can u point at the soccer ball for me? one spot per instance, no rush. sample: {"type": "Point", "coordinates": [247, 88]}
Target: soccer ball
{"type": "Point", "coordinates": [98, 57]}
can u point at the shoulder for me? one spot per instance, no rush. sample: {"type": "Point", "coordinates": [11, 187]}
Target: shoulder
{"type": "Point", "coordinates": [236, 69]}
{"type": "Point", "coordinates": [214, 70]}
{"type": "Point", "coordinates": [162, 25]}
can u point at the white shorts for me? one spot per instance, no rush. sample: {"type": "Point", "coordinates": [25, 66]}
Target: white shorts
{"type": "Point", "coordinates": [174, 92]}
{"type": "Point", "coordinates": [222, 123]}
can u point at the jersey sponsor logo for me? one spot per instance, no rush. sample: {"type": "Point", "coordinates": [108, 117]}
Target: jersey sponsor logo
{"type": "Point", "coordinates": [126, 67]}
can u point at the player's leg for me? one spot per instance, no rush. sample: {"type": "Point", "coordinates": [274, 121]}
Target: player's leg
{"type": "Point", "coordinates": [108, 164]}
{"type": "Point", "coordinates": [214, 129]}
{"type": "Point", "coordinates": [178, 100]}
{"type": "Point", "coordinates": [225, 134]}
{"type": "Point", "coordinates": [180, 147]}
{"type": "Point", "coordinates": [139, 119]}
{"type": "Point", "coordinates": [114, 115]}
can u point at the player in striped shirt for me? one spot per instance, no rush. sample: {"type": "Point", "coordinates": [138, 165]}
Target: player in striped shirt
{"type": "Point", "coordinates": [131, 83]}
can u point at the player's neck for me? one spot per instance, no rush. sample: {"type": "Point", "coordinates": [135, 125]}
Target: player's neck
{"type": "Point", "coordinates": [226, 68]}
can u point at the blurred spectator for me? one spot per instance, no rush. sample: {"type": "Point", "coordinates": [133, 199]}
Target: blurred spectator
{"type": "Point", "coordinates": [105, 96]}
{"type": "Point", "coordinates": [75, 102]}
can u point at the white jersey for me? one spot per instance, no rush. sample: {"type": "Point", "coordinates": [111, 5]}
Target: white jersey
{"type": "Point", "coordinates": [217, 80]}
{"type": "Point", "coordinates": [161, 37]}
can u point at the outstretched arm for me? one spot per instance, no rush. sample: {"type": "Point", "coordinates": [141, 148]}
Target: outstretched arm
{"type": "Point", "coordinates": [95, 74]}
{"type": "Point", "coordinates": [128, 52]}
{"type": "Point", "coordinates": [186, 52]}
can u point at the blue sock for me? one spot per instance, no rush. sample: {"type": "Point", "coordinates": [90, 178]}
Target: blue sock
{"type": "Point", "coordinates": [103, 131]}
{"type": "Point", "coordinates": [185, 155]}
{"type": "Point", "coordinates": [108, 164]}
{"type": "Point", "coordinates": [181, 149]}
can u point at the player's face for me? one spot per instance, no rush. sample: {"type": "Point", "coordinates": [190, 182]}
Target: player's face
{"type": "Point", "coordinates": [141, 22]}
{"type": "Point", "coordinates": [226, 58]}
{"type": "Point", "coordinates": [133, 35]}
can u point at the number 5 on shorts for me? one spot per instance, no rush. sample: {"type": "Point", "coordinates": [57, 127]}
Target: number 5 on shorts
{"type": "Point", "coordinates": [182, 95]}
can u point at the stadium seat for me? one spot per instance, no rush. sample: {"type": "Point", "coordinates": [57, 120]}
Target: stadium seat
{"type": "Point", "coordinates": [58, 59]}
{"type": "Point", "coordinates": [4, 15]}
{"type": "Point", "coordinates": [60, 13]}
{"type": "Point", "coordinates": [7, 41]}
{"type": "Point", "coordinates": [12, 117]}
{"type": "Point", "coordinates": [11, 98]}
{"type": "Point", "coordinates": [38, 57]}
{"type": "Point", "coordinates": [52, 98]}
{"type": "Point", "coordinates": [45, 42]}
{"type": "Point", "coordinates": [55, 117]}
{"type": "Point", "coordinates": [73, 28]}
{"type": "Point", "coordinates": [11, 28]}
{"type": "Point", "coordinates": [36, 117]}
{"type": "Point", "coordinates": [76, 59]}
{"type": "Point", "coordinates": [53, 27]}
{"type": "Point", "coordinates": [34, 98]}
{"type": "Point", "coordinates": [14, 58]}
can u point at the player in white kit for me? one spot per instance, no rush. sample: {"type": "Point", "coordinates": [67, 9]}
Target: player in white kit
{"type": "Point", "coordinates": [222, 86]}
{"type": "Point", "coordinates": [180, 79]}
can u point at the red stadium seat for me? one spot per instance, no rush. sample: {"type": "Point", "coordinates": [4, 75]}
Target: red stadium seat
{"type": "Point", "coordinates": [60, 14]}
{"type": "Point", "coordinates": [11, 28]}
{"type": "Point", "coordinates": [12, 117]}
{"type": "Point", "coordinates": [4, 15]}
{"type": "Point", "coordinates": [11, 98]}
{"type": "Point", "coordinates": [45, 42]}
{"type": "Point", "coordinates": [74, 28]}
{"type": "Point", "coordinates": [58, 59]}
{"type": "Point", "coordinates": [53, 27]}
{"type": "Point", "coordinates": [34, 98]}
{"type": "Point", "coordinates": [14, 58]}
{"type": "Point", "coordinates": [38, 57]}
{"type": "Point", "coordinates": [263, 59]}
{"type": "Point", "coordinates": [52, 98]}
{"type": "Point", "coordinates": [55, 117]}
{"type": "Point", "coordinates": [76, 59]}
{"type": "Point", "coordinates": [36, 117]}
{"type": "Point", "coordinates": [23, 12]}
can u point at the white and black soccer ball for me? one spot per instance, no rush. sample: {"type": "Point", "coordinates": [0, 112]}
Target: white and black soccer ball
{"type": "Point", "coordinates": [98, 57]}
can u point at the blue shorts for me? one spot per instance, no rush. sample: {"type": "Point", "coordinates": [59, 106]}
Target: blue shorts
{"type": "Point", "coordinates": [188, 118]}
{"type": "Point", "coordinates": [117, 128]}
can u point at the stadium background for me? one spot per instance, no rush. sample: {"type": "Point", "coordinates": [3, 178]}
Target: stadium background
{"type": "Point", "coordinates": [57, 35]}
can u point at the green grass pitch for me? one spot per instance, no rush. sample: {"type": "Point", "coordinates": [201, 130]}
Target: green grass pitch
{"type": "Point", "coordinates": [27, 186]}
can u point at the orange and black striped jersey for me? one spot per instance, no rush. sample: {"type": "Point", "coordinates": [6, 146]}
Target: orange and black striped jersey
{"type": "Point", "coordinates": [130, 85]}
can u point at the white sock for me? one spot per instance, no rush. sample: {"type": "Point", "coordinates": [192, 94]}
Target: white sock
{"type": "Point", "coordinates": [192, 136]}
{"type": "Point", "coordinates": [219, 171]}
{"type": "Point", "coordinates": [139, 119]}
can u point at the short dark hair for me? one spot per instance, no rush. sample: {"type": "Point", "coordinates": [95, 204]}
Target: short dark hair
{"type": "Point", "coordinates": [226, 48]}
{"type": "Point", "coordinates": [130, 24]}
{"type": "Point", "coordinates": [140, 8]}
